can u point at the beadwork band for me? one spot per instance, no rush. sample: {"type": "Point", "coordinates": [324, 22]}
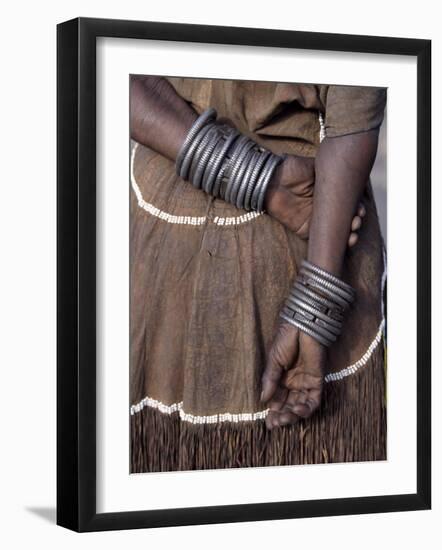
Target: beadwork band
{"type": "Point", "coordinates": [317, 302]}
{"type": "Point", "coordinates": [219, 160]}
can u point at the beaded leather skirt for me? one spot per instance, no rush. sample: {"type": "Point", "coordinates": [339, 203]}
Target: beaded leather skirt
{"type": "Point", "coordinates": [207, 284]}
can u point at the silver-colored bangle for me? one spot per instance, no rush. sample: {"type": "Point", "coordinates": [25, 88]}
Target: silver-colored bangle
{"type": "Point", "coordinates": [254, 178]}
{"type": "Point", "coordinates": [230, 166]}
{"type": "Point", "coordinates": [330, 306]}
{"type": "Point", "coordinates": [312, 281]}
{"type": "Point", "coordinates": [274, 163]}
{"type": "Point", "coordinates": [316, 303]}
{"type": "Point", "coordinates": [243, 186]}
{"type": "Point", "coordinates": [327, 275]}
{"type": "Point", "coordinates": [204, 144]}
{"type": "Point", "coordinates": [242, 148]}
{"type": "Point", "coordinates": [263, 179]}
{"type": "Point", "coordinates": [208, 149]}
{"type": "Point", "coordinates": [222, 168]}
{"type": "Point", "coordinates": [299, 301]}
{"type": "Point", "coordinates": [209, 114]}
{"type": "Point", "coordinates": [308, 275]}
{"type": "Point", "coordinates": [221, 165]}
{"type": "Point", "coordinates": [216, 159]}
{"type": "Point", "coordinates": [305, 329]}
{"type": "Point", "coordinates": [304, 316]}
{"type": "Point", "coordinates": [237, 179]}
{"type": "Point", "coordinates": [188, 157]}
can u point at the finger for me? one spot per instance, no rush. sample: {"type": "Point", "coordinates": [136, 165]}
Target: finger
{"type": "Point", "coordinates": [272, 420]}
{"type": "Point", "coordinates": [278, 399]}
{"type": "Point", "coordinates": [298, 404]}
{"type": "Point", "coordinates": [294, 398]}
{"type": "Point", "coordinates": [270, 379]}
{"type": "Point", "coordinates": [303, 403]}
{"type": "Point", "coordinates": [314, 400]}
{"type": "Point", "coordinates": [276, 404]}
{"type": "Point", "coordinates": [283, 352]}
{"type": "Point", "coordinates": [361, 210]}
{"type": "Point", "coordinates": [287, 417]}
{"type": "Point", "coordinates": [302, 410]}
{"type": "Point", "coordinates": [284, 419]}
{"type": "Point", "coordinates": [353, 239]}
{"type": "Point", "coordinates": [356, 223]}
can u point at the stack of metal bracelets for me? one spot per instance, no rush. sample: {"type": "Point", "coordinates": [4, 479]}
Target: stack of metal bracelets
{"type": "Point", "coordinates": [317, 302]}
{"type": "Point", "coordinates": [219, 160]}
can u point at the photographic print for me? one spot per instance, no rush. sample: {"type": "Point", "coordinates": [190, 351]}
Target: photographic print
{"type": "Point", "coordinates": [257, 274]}
{"type": "Point", "coordinates": [222, 315]}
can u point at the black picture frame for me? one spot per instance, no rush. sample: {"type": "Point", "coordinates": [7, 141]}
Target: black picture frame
{"type": "Point", "coordinates": [76, 273]}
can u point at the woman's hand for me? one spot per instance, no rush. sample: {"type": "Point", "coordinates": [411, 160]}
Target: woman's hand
{"type": "Point", "coordinates": [293, 378]}
{"type": "Point", "coordinates": [289, 197]}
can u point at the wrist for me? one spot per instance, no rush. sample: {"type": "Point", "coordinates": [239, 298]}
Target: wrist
{"type": "Point", "coordinates": [290, 192]}
{"type": "Point", "coordinates": [217, 159]}
{"type": "Point", "coordinates": [274, 199]}
{"type": "Point", "coordinates": [317, 302]}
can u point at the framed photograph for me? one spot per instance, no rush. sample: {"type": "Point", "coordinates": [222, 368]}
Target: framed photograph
{"type": "Point", "coordinates": [228, 201]}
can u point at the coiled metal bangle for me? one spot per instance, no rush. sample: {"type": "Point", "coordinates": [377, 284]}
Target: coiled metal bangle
{"type": "Point", "coordinates": [263, 180]}
{"type": "Point", "coordinates": [306, 329]}
{"type": "Point", "coordinates": [316, 303]}
{"type": "Point", "coordinates": [326, 275]}
{"type": "Point", "coordinates": [199, 153]}
{"type": "Point", "coordinates": [214, 137]}
{"type": "Point", "coordinates": [241, 147]}
{"type": "Point", "coordinates": [188, 157]}
{"type": "Point", "coordinates": [328, 304]}
{"type": "Point", "coordinates": [237, 177]}
{"type": "Point", "coordinates": [230, 166]}
{"type": "Point", "coordinates": [315, 284]}
{"type": "Point", "coordinates": [248, 175]}
{"type": "Point", "coordinates": [254, 178]}
{"type": "Point", "coordinates": [216, 159]}
{"type": "Point", "coordinates": [201, 121]}
{"type": "Point", "coordinates": [303, 316]}
{"type": "Point", "coordinates": [222, 165]}
{"type": "Point", "coordinates": [345, 294]}
{"type": "Point", "coordinates": [311, 308]}
{"type": "Point", "coordinates": [273, 164]}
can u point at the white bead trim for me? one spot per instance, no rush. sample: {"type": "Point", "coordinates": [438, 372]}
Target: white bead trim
{"type": "Point", "coordinates": [154, 404]}
{"type": "Point", "coordinates": [182, 220]}
{"type": "Point", "coordinates": [334, 376]}
{"type": "Point", "coordinates": [352, 369]}
{"type": "Point", "coordinates": [178, 407]}
{"type": "Point", "coordinates": [243, 417]}
{"type": "Point", "coordinates": [260, 415]}
{"type": "Point", "coordinates": [322, 133]}
{"type": "Point", "coordinates": [236, 220]}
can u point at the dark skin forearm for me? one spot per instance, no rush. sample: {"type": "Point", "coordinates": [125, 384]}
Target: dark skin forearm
{"type": "Point", "coordinates": [293, 377]}
{"type": "Point", "coordinates": [159, 117]}
{"type": "Point", "coordinates": [342, 167]}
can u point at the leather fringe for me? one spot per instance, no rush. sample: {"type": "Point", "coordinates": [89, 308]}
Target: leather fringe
{"type": "Point", "coordinates": [349, 427]}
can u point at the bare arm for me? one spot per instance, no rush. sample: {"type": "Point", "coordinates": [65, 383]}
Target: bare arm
{"type": "Point", "coordinates": [159, 117]}
{"type": "Point", "coordinates": [293, 378]}
{"type": "Point", "coordinates": [343, 166]}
